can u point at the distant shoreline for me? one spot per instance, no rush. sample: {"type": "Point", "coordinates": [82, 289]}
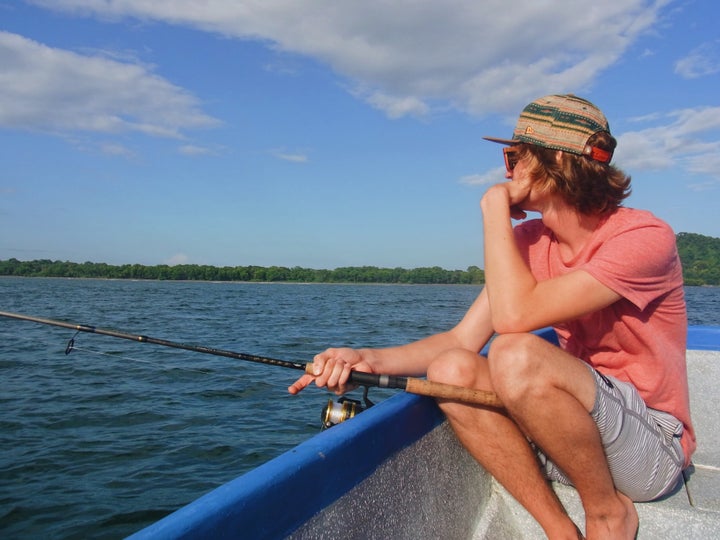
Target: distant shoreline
{"type": "Point", "coordinates": [339, 283]}
{"type": "Point", "coordinates": [700, 257]}
{"type": "Point", "coordinates": [248, 274]}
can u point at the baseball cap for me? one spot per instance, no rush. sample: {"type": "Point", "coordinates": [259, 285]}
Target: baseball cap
{"type": "Point", "coordinates": [561, 122]}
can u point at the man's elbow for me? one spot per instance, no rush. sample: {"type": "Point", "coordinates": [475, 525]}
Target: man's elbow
{"type": "Point", "coordinates": [512, 322]}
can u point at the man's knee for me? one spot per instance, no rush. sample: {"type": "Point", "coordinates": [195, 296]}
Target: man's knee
{"type": "Point", "coordinates": [515, 367]}
{"type": "Point", "coordinates": [456, 366]}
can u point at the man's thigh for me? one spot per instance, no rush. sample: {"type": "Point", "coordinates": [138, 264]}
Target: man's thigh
{"type": "Point", "coordinates": [642, 445]}
{"type": "Point", "coordinates": [545, 362]}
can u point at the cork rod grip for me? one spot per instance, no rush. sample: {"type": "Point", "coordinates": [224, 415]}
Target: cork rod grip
{"type": "Point", "coordinates": [423, 387]}
{"type": "Point", "coordinates": [451, 392]}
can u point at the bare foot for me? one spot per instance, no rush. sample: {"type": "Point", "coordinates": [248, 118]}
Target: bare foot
{"type": "Point", "coordinates": [621, 521]}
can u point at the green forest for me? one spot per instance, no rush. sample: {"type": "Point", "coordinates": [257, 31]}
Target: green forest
{"type": "Point", "coordinates": [700, 256]}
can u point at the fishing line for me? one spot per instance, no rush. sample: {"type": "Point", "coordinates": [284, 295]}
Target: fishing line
{"type": "Point", "coordinates": [117, 356]}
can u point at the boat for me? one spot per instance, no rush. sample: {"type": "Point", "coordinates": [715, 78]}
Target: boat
{"type": "Point", "coordinates": [397, 471]}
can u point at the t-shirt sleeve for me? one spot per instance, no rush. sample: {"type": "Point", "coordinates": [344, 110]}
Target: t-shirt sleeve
{"type": "Point", "coordinates": [640, 263]}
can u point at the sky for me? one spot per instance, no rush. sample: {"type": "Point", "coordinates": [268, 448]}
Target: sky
{"type": "Point", "coordinates": [328, 133]}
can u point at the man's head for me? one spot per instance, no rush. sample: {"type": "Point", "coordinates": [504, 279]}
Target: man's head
{"type": "Point", "coordinates": [582, 174]}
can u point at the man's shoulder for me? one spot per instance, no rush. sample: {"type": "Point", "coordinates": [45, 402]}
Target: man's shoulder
{"type": "Point", "coordinates": [634, 218]}
{"type": "Point", "coordinates": [632, 225]}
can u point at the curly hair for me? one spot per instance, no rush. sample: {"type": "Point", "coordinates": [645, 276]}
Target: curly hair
{"type": "Point", "coordinates": [589, 186]}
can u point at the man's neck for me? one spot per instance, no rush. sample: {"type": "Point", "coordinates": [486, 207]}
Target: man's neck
{"type": "Point", "coordinates": [571, 228]}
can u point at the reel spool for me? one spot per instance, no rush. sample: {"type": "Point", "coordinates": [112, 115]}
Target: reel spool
{"type": "Point", "coordinates": [335, 413]}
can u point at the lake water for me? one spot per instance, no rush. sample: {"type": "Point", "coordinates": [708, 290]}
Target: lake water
{"type": "Point", "coordinates": [117, 434]}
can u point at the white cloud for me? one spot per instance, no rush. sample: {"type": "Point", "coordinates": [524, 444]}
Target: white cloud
{"type": "Point", "coordinates": [195, 150]}
{"type": "Point", "coordinates": [481, 57]}
{"type": "Point", "coordinates": [703, 60]}
{"type": "Point", "coordinates": [396, 107]}
{"type": "Point", "coordinates": [295, 158]}
{"type": "Point", "coordinates": [687, 137]}
{"type": "Point", "coordinates": [494, 176]}
{"type": "Point", "coordinates": [54, 90]}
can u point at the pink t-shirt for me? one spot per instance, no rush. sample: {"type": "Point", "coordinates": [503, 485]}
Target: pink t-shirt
{"type": "Point", "coordinates": [641, 338]}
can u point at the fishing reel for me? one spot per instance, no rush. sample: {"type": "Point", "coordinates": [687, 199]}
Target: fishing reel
{"type": "Point", "coordinates": [335, 413]}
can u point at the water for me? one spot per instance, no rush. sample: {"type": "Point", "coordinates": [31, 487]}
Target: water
{"type": "Point", "coordinates": [110, 438]}
{"type": "Point", "coordinates": [99, 445]}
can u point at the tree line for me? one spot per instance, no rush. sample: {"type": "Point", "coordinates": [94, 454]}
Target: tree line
{"type": "Point", "coordinates": [193, 272]}
{"type": "Point", "coordinates": [700, 257]}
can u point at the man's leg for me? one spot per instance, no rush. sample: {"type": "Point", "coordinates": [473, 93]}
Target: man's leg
{"type": "Point", "coordinates": [497, 443]}
{"type": "Point", "coordinates": [548, 395]}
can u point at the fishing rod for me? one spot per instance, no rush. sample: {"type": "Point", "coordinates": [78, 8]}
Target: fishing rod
{"type": "Point", "coordinates": [412, 385]}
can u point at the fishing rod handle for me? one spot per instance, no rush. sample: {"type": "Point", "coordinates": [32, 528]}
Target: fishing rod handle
{"type": "Point", "coordinates": [423, 387]}
{"type": "Point", "coordinates": [453, 393]}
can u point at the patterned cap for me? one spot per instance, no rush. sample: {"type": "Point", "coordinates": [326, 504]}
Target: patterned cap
{"type": "Point", "coordinates": [561, 122]}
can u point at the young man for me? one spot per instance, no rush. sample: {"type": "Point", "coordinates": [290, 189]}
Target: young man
{"type": "Point", "coordinates": [608, 410]}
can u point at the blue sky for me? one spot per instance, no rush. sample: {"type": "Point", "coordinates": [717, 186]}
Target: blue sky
{"type": "Point", "coordinates": [324, 133]}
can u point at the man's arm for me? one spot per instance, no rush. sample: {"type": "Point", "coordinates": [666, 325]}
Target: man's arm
{"type": "Point", "coordinates": [518, 302]}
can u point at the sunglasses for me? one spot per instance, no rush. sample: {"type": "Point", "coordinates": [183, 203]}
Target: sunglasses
{"type": "Point", "coordinates": [511, 155]}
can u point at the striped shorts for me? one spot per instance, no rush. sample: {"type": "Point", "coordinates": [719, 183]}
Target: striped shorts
{"type": "Point", "coordinates": [642, 445]}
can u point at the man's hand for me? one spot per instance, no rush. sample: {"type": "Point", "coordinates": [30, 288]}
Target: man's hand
{"type": "Point", "coordinates": [509, 195]}
{"type": "Point", "coordinates": [332, 369]}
